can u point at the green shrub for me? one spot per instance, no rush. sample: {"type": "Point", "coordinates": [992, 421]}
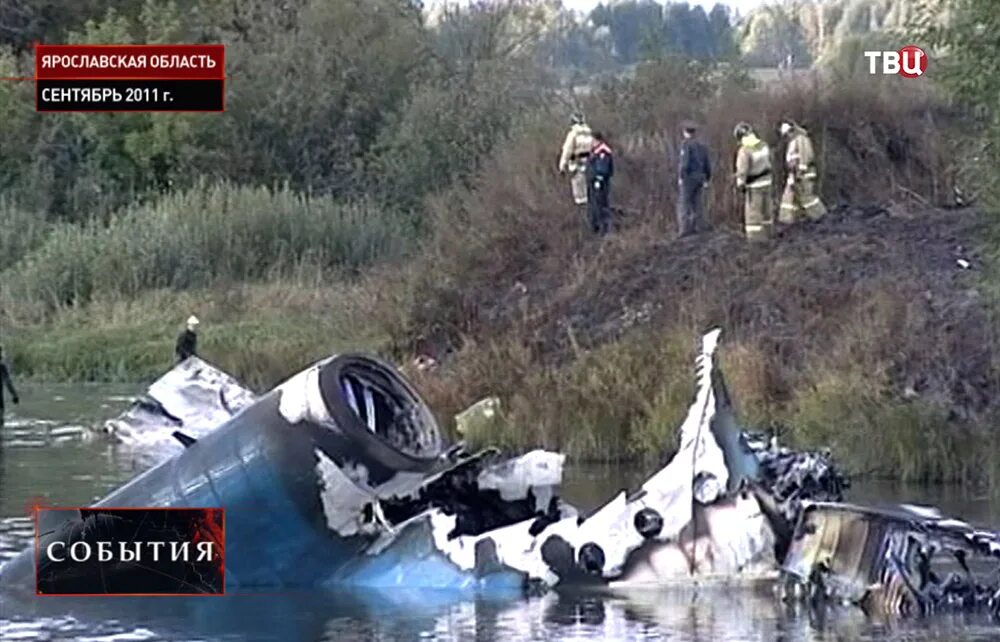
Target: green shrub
{"type": "Point", "coordinates": [23, 231]}
{"type": "Point", "coordinates": [205, 235]}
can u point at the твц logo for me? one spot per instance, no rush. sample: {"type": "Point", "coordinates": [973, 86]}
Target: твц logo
{"type": "Point", "coordinates": [909, 62]}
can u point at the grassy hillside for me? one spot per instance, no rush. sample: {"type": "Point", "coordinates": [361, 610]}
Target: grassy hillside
{"type": "Point", "coordinates": [861, 333]}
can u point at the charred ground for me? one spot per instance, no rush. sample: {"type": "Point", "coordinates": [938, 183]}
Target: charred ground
{"type": "Point", "coordinates": [864, 331]}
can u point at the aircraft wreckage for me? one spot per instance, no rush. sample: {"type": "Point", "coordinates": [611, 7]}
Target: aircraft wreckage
{"type": "Point", "coordinates": [340, 477]}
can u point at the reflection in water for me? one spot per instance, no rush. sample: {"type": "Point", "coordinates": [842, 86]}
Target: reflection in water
{"type": "Point", "coordinates": [712, 614]}
{"type": "Point", "coordinates": [72, 471]}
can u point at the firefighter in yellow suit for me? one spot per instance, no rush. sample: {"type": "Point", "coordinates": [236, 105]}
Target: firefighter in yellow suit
{"type": "Point", "coordinates": [573, 159]}
{"type": "Point", "coordinates": [800, 199]}
{"type": "Point", "coordinates": [753, 180]}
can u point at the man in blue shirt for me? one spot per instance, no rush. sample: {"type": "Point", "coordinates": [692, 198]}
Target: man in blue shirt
{"type": "Point", "coordinates": [695, 171]}
{"type": "Point", "coordinates": [600, 169]}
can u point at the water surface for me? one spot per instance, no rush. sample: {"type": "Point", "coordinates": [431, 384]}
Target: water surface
{"type": "Point", "coordinates": [50, 457]}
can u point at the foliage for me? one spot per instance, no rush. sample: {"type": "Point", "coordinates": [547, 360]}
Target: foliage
{"type": "Point", "coordinates": [260, 332]}
{"type": "Point", "coordinates": [202, 236]}
{"type": "Point", "coordinates": [485, 82]}
{"type": "Point", "coordinates": [964, 34]}
{"type": "Point", "coordinates": [357, 131]}
{"type": "Point", "coordinates": [809, 30]}
{"type": "Point", "coordinates": [772, 37]}
{"type": "Point", "coordinates": [23, 231]}
{"type": "Point", "coordinates": [644, 29]}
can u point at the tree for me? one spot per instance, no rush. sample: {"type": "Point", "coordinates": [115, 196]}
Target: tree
{"type": "Point", "coordinates": [772, 37]}
{"type": "Point", "coordinates": [629, 22]}
{"type": "Point", "coordinates": [963, 34]}
{"type": "Point", "coordinates": [485, 79]}
{"type": "Point", "coordinates": [23, 22]}
{"type": "Point", "coordinates": [721, 28]}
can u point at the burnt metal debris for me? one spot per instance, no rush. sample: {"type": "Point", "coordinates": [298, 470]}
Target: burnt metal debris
{"type": "Point", "coordinates": [905, 560]}
{"type": "Point", "coordinates": [340, 477]}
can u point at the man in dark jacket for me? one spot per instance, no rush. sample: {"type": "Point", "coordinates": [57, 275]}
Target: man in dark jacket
{"type": "Point", "coordinates": [600, 169]}
{"type": "Point", "coordinates": [695, 171]}
{"type": "Point", "coordinates": [187, 342]}
{"type": "Point", "coordinates": [5, 382]}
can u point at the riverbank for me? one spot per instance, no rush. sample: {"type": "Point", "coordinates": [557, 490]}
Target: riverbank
{"type": "Point", "coordinates": [872, 332]}
{"type": "Point", "coordinates": [863, 333]}
{"type": "Point", "coordinates": [260, 332]}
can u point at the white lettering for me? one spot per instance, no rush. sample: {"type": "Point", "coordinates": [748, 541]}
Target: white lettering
{"type": "Point", "coordinates": [872, 57]}
{"type": "Point", "coordinates": [911, 62]}
{"type": "Point", "coordinates": [890, 62]}
{"type": "Point", "coordinates": [103, 61]}
{"type": "Point", "coordinates": [156, 546]}
{"type": "Point", "coordinates": [179, 551]}
{"type": "Point", "coordinates": [124, 552]}
{"type": "Point", "coordinates": [77, 557]}
{"type": "Point", "coordinates": [50, 547]}
{"type": "Point", "coordinates": [205, 551]}
{"type": "Point", "coordinates": [132, 551]}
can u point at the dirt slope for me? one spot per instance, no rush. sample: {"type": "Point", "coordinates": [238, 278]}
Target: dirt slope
{"type": "Point", "coordinates": [875, 289]}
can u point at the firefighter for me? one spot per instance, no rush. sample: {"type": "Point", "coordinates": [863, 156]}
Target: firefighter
{"type": "Point", "coordinates": [695, 171]}
{"type": "Point", "coordinates": [753, 180]}
{"type": "Point", "coordinates": [800, 199]}
{"type": "Point", "coordinates": [600, 169]}
{"type": "Point", "coordinates": [573, 159]}
{"type": "Point", "coordinates": [187, 341]}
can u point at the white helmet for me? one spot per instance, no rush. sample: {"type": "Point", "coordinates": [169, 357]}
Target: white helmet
{"type": "Point", "coordinates": [741, 130]}
{"type": "Point", "coordinates": [192, 321]}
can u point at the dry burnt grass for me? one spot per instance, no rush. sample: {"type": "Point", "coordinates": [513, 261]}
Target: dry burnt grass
{"type": "Point", "coordinates": [861, 332]}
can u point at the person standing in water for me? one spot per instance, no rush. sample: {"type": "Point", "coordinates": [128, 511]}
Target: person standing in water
{"type": "Point", "coordinates": [6, 383]}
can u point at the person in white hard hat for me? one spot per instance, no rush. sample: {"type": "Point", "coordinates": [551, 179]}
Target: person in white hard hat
{"type": "Point", "coordinates": [573, 158]}
{"type": "Point", "coordinates": [800, 200]}
{"type": "Point", "coordinates": [187, 341]}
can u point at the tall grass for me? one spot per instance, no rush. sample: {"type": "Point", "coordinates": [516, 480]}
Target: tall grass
{"type": "Point", "coordinates": [618, 402]}
{"type": "Point", "coordinates": [858, 335]}
{"type": "Point", "coordinates": [259, 332]}
{"type": "Point", "coordinates": [22, 231]}
{"type": "Point", "coordinates": [625, 400]}
{"type": "Point", "coordinates": [203, 236]}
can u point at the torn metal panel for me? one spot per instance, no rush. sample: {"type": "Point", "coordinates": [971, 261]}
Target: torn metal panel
{"type": "Point", "coordinates": [792, 477]}
{"type": "Point", "coordinates": [538, 471]}
{"type": "Point", "coordinates": [193, 397]}
{"type": "Point", "coordinates": [900, 561]}
{"type": "Point", "coordinates": [683, 521]}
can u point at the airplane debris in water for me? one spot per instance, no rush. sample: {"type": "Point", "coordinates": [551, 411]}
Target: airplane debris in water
{"type": "Point", "coordinates": [340, 477]}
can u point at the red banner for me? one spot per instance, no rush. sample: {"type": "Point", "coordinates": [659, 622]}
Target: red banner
{"type": "Point", "coordinates": [152, 62]}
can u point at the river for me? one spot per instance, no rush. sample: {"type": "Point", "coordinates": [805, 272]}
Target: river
{"type": "Point", "coordinates": [47, 458]}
